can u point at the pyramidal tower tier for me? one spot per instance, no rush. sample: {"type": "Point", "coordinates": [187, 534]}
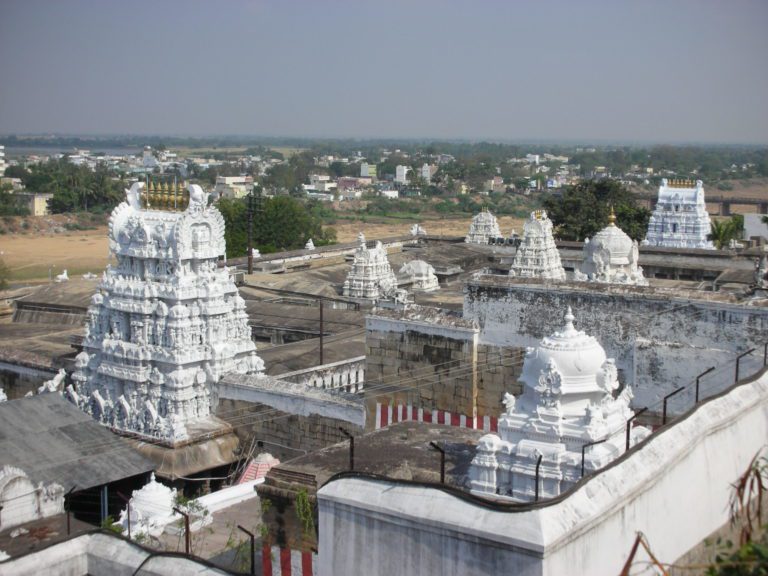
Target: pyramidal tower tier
{"type": "Point", "coordinates": [166, 322]}
{"type": "Point", "coordinates": [370, 276]}
{"type": "Point", "coordinates": [537, 256]}
{"type": "Point", "coordinates": [680, 219]}
{"type": "Point", "coordinates": [483, 227]}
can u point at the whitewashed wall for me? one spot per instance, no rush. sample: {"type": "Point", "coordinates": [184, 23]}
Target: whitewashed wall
{"type": "Point", "coordinates": [675, 489]}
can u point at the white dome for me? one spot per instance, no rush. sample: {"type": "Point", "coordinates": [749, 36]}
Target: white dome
{"type": "Point", "coordinates": [612, 239]}
{"type": "Point", "coordinates": [574, 359]}
{"type": "Point", "coordinates": [154, 500]}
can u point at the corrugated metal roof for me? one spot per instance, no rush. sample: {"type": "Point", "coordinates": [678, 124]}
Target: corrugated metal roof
{"type": "Point", "coordinates": [53, 441]}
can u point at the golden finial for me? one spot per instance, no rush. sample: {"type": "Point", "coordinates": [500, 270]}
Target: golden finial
{"type": "Point", "coordinates": [612, 217]}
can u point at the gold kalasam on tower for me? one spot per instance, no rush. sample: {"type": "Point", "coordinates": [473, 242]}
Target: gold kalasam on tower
{"type": "Point", "coordinates": [168, 196]}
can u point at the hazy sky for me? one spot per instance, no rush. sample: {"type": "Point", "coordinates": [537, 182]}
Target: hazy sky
{"type": "Point", "coordinates": [642, 70]}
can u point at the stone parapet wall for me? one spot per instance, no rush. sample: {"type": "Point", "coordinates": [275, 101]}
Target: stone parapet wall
{"type": "Point", "coordinates": [661, 339]}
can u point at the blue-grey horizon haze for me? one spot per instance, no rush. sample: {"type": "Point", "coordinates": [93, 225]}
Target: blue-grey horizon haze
{"type": "Point", "coordinates": [563, 70]}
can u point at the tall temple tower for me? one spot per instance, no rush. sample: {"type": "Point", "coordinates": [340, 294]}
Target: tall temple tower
{"type": "Point", "coordinates": [166, 322]}
{"type": "Point", "coordinates": [483, 227]}
{"type": "Point", "coordinates": [537, 256]}
{"type": "Point", "coordinates": [680, 219]}
{"type": "Point", "coordinates": [371, 276]}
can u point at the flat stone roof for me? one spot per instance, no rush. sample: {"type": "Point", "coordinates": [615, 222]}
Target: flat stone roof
{"type": "Point", "coordinates": [400, 451]}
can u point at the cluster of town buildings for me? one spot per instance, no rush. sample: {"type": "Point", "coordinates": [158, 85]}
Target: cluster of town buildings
{"type": "Point", "coordinates": [511, 404]}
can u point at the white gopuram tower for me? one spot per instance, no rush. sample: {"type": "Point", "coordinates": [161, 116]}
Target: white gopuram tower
{"type": "Point", "coordinates": [611, 257]}
{"type": "Point", "coordinates": [567, 402]}
{"type": "Point", "coordinates": [680, 219]}
{"type": "Point", "coordinates": [483, 227]}
{"type": "Point", "coordinates": [371, 276]}
{"type": "Point", "coordinates": [166, 322]}
{"type": "Point", "coordinates": [537, 255]}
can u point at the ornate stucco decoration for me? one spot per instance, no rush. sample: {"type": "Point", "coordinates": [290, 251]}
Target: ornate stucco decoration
{"type": "Point", "coordinates": [166, 322]}
{"type": "Point", "coordinates": [611, 257]}
{"type": "Point", "coordinates": [537, 255]}
{"type": "Point", "coordinates": [680, 219]}
{"type": "Point", "coordinates": [483, 227]}
{"type": "Point", "coordinates": [371, 276]}
{"type": "Point", "coordinates": [569, 399]}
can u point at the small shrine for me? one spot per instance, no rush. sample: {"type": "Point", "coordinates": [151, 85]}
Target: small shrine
{"type": "Point", "coordinates": [419, 275]}
{"type": "Point", "coordinates": [151, 509]}
{"type": "Point", "coordinates": [680, 219]}
{"type": "Point", "coordinates": [309, 245]}
{"type": "Point", "coordinates": [483, 227]}
{"type": "Point", "coordinates": [537, 255]}
{"type": "Point", "coordinates": [371, 276]}
{"type": "Point", "coordinates": [611, 257]}
{"type": "Point", "coordinates": [570, 402]}
{"type": "Point", "coordinates": [166, 322]}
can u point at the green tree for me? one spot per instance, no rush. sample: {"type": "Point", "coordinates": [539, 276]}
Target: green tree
{"type": "Point", "coordinates": [723, 231]}
{"type": "Point", "coordinates": [583, 210]}
{"type": "Point", "coordinates": [10, 204]}
{"type": "Point", "coordinates": [285, 223]}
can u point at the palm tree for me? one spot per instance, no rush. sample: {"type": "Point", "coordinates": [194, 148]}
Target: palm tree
{"type": "Point", "coordinates": [723, 231]}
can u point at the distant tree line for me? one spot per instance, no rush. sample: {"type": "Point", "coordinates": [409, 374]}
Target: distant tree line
{"type": "Point", "coordinates": [283, 223]}
{"type": "Point", "coordinates": [583, 209]}
{"type": "Point", "coordinates": [74, 188]}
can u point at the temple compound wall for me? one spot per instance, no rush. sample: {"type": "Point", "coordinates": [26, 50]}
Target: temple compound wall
{"type": "Point", "coordinates": [661, 339]}
{"type": "Point", "coordinates": [290, 419]}
{"type": "Point", "coordinates": [421, 358]}
{"type": "Point", "coordinates": [667, 488]}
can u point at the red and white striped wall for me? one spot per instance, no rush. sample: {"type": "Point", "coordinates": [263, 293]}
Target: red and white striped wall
{"type": "Point", "coordinates": [276, 561]}
{"type": "Point", "coordinates": [387, 414]}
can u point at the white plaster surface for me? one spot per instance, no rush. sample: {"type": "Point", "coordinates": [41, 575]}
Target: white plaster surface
{"type": "Point", "coordinates": [166, 322]}
{"type": "Point", "coordinates": [99, 554]}
{"type": "Point", "coordinates": [675, 489]}
{"type": "Point", "coordinates": [680, 219]}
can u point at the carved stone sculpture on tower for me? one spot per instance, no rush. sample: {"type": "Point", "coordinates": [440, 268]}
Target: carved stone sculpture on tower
{"type": "Point", "coordinates": [680, 219]}
{"type": "Point", "coordinates": [567, 402]}
{"type": "Point", "coordinates": [483, 227]}
{"type": "Point", "coordinates": [611, 257]}
{"type": "Point", "coordinates": [166, 322]}
{"type": "Point", "coordinates": [537, 255]}
{"type": "Point", "coordinates": [371, 276]}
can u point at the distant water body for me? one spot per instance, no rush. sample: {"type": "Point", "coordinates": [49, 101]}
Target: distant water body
{"type": "Point", "coordinates": [16, 151]}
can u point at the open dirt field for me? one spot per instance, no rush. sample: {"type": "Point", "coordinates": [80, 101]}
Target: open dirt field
{"type": "Point", "coordinates": [29, 256]}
